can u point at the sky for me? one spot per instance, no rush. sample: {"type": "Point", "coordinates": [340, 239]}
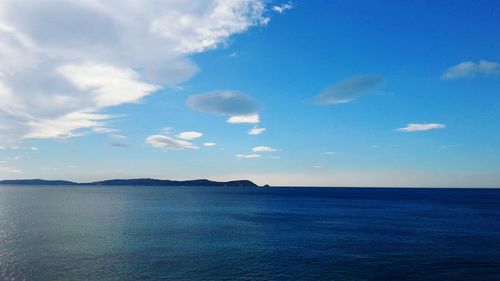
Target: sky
{"type": "Point", "coordinates": [302, 93]}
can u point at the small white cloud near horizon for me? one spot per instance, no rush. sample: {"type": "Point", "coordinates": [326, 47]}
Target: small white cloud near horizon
{"type": "Point", "coordinates": [330, 153]}
{"type": "Point", "coordinates": [247, 156]}
{"type": "Point", "coordinates": [256, 131]}
{"type": "Point", "coordinates": [209, 144]}
{"type": "Point", "coordinates": [471, 69]}
{"type": "Point", "coordinates": [263, 149]}
{"type": "Point", "coordinates": [413, 127]}
{"type": "Point", "coordinates": [169, 143]}
{"type": "Point", "coordinates": [283, 7]}
{"type": "Point", "coordinates": [189, 135]}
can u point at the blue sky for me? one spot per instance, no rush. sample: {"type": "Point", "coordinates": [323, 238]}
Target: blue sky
{"type": "Point", "coordinates": [350, 93]}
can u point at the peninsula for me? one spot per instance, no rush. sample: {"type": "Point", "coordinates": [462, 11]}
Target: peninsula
{"type": "Point", "coordinates": [133, 182]}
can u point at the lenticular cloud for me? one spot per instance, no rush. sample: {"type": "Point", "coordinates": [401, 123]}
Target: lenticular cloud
{"type": "Point", "coordinates": [64, 61]}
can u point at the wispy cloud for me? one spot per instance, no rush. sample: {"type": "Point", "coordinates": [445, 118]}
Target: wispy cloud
{"type": "Point", "coordinates": [119, 145]}
{"type": "Point", "coordinates": [413, 127]}
{"type": "Point", "coordinates": [189, 135]}
{"type": "Point", "coordinates": [263, 149]}
{"type": "Point", "coordinates": [471, 69]}
{"type": "Point", "coordinates": [209, 144]}
{"type": "Point", "coordinates": [247, 156]}
{"type": "Point", "coordinates": [330, 153]}
{"type": "Point", "coordinates": [169, 143]}
{"type": "Point", "coordinates": [118, 137]}
{"type": "Point", "coordinates": [256, 131]}
{"type": "Point", "coordinates": [347, 90]}
{"type": "Point", "coordinates": [283, 7]}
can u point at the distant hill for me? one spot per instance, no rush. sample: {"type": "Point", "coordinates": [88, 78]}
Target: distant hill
{"type": "Point", "coordinates": [133, 182]}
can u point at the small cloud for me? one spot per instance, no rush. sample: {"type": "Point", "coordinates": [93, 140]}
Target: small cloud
{"type": "Point", "coordinates": [233, 54]}
{"type": "Point", "coordinates": [263, 149]}
{"type": "Point", "coordinates": [256, 131]}
{"type": "Point", "coordinates": [208, 144]}
{"type": "Point", "coordinates": [118, 137]}
{"type": "Point", "coordinates": [247, 156]}
{"type": "Point", "coordinates": [189, 135]}
{"type": "Point", "coordinates": [317, 167]}
{"type": "Point", "coordinates": [120, 145]}
{"type": "Point", "coordinates": [15, 158]}
{"type": "Point", "coordinates": [421, 127]}
{"type": "Point", "coordinates": [239, 119]}
{"type": "Point", "coordinates": [471, 69]}
{"type": "Point", "coordinates": [34, 148]}
{"type": "Point", "coordinates": [169, 143]}
{"type": "Point", "coordinates": [347, 90]}
{"type": "Point", "coordinates": [282, 8]}
{"type": "Point", "coordinates": [330, 153]}
{"type": "Point", "coordinates": [103, 130]}
{"type": "Point", "coordinates": [223, 103]}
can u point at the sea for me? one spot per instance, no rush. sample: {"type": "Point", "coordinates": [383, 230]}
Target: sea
{"type": "Point", "coordinates": [224, 233]}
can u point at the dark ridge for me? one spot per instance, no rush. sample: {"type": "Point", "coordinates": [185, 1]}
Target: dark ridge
{"type": "Point", "coordinates": [134, 182]}
{"type": "Point", "coordinates": [38, 182]}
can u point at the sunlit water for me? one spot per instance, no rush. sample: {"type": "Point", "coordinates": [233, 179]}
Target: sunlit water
{"type": "Point", "coordinates": [186, 233]}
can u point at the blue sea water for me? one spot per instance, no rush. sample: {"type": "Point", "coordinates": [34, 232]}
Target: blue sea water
{"type": "Point", "coordinates": [206, 233]}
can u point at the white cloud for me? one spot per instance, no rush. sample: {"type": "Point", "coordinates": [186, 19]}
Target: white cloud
{"type": "Point", "coordinates": [208, 144]}
{"type": "Point", "coordinates": [238, 119]}
{"type": "Point", "coordinates": [118, 137]}
{"type": "Point", "coordinates": [421, 127]}
{"type": "Point", "coordinates": [330, 153]}
{"type": "Point", "coordinates": [470, 69]}
{"type": "Point", "coordinates": [282, 8]}
{"type": "Point", "coordinates": [189, 135]}
{"type": "Point", "coordinates": [347, 90]}
{"type": "Point", "coordinates": [34, 148]}
{"type": "Point", "coordinates": [169, 143]}
{"type": "Point", "coordinates": [57, 76]}
{"type": "Point", "coordinates": [256, 131]}
{"type": "Point", "coordinates": [247, 156]}
{"type": "Point", "coordinates": [263, 149]}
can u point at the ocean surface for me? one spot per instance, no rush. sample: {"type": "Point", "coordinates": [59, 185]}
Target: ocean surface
{"type": "Point", "coordinates": [207, 233]}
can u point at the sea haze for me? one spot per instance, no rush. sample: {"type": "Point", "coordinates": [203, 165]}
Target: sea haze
{"type": "Point", "coordinates": [240, 233]}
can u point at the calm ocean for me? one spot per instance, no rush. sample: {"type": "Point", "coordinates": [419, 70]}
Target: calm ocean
{"type": "Point", "coordinates": [206, 233]}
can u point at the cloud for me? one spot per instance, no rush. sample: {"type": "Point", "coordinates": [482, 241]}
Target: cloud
{"type": "Point", "coordinates": [421, 127]}
{"type": "Point", "coordinates": [471, 69]}
{"type": "Point", "coordinates": [119, 145]}
{"type": "Point", "coordinates": [256, 131]}
{"type": "Point", "coordinates": [347, 90]}
{"type": "Point", "coordinates": [169, 143]}
{"type": "Point", "coordinates": [263, 149]}
{"type": "Point", "coordinates": [282, 8]}
{"type": "Point", "coordinates": [208, 144]}
{"type": "Point", "coordinates": [223, 103]}
{"type": "Point", "coordinates": [118, 137]}
{"type": "Point", "coordinates": [330, 153]}
{"type": "Point", "coordinates": [57, 76]}
{"type": "Point", "coordinates": [247, 156]}
{"type": "Point", "coordinates": [238, 119]}
{"type": "Point", "coordinates": [189, 135]}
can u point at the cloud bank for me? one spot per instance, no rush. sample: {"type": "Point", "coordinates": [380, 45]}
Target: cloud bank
{"type": "Point", "coordinates": [471, 69]}
{"type": "Point", "coordinates": [347, 90]}
{"type": "Point", "coordinates": [57, 76]}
